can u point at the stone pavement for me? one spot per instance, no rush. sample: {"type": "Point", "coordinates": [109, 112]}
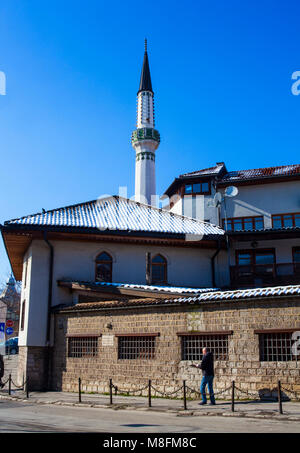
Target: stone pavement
{"type": "Point", "coordinates": [251, 409]}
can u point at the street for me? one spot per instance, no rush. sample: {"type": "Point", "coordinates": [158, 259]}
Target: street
{"type": "Point", "coordinates": [18, 417]}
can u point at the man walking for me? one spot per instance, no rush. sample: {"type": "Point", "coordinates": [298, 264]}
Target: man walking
{"type": "Point", "coordinates": [207, 367]}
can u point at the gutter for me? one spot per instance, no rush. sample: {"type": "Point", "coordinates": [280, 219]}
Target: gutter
{"type": "Point", "coordinates": [213, 270]}
{"type": "Point", "coordinates": [49, 285]}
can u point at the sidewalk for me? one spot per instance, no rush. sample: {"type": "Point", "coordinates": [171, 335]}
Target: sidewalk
{"type": "Point", "coordinates": [252, 409]}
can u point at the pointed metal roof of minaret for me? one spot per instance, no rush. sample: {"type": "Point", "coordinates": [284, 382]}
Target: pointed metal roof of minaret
{"type": "Point", "coordinates": [145, 82]}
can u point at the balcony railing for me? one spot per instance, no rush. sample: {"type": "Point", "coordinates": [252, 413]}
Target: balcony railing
{"type": "Point", "coordinates": [265, 275]}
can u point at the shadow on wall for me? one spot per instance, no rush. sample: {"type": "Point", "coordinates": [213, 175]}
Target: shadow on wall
{"type": "Point", "coordinates": [268, 394]}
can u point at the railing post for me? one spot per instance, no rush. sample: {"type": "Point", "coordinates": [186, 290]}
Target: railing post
{"type": "Point", "coordinates": [79, 390]}
{"type": "Point", "coordinates": [9, 384]}
{"type": "Point", "coordinates": [232, 396]}
{"type": "Point", "coordinates": [184, 396]}
{"type": "Point", "coordinates": [279, 398]}
{"type": "Point", "coordinates": [149, 393]}
{"type": "Point", "coordinates": [110, 392]}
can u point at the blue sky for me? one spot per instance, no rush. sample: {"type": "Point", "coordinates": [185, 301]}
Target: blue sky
{"type": "Point", "coordinates": [221, 72]}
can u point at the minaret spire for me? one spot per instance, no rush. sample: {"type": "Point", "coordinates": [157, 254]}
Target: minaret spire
{"type": "Point", "coordinates": [145, 139]}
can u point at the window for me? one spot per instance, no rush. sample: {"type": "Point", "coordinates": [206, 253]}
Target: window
{"type": "Point", "coordinates": [296, 255]}
{"type": "Point", "coordinates": [255, 257]}
{"type": "Point", "coordinates": [192, 345]}
{"type": "Point", "coordinates": [159, 270]}
{"type": "Point", "coordinates": [244, 223]}
{"type": "Point", "coordinates": [136, 347]}
{"type": "Point", "coordinates": [23, 316]}
{"type": "Point", "coordinates": [286, 220]}
{"type": "Point", "coordinates": [276, 347]}
{"type": "Point", "coordinates": [83, 346]}
{"type": "Point", "coordinates": [197, 188]}
{"type": "Point", "coordinates": [103, 268]}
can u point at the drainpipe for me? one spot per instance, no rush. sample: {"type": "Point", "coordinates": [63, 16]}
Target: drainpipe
{"type": "Point", "coordinates": [213, 270]}
{"type": "Point", "coordinates": [48, 358]}
{"type": "Point", "coordinates": [49, 285]}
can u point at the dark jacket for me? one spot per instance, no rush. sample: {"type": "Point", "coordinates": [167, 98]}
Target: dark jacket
{"type": "Point", "coordinates": [207, 364]}
{"type": "Point", "coordinates": [1, 366]}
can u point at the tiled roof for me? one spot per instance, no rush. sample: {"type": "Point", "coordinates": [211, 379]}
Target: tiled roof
{"type": "Point", "coordinates": [154, 288]}
{"type": "Point", "coordinates": [213, 296]}
{"type": "Point", "coordinates": [246, 294]}
{"type": "Point", "coordinates": [119, 214]}
{"type": "Point", "coordinates": [258, 173]}
{"type": "Point", "coordinates": [206, 171]}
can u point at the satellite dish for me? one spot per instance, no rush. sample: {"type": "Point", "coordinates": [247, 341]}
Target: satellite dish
{"type": "Point", "coordinates": [218, 197]}
{"type": "Point", "coordinates": [216, 201]}
{"type": "Point", "coordinates": [231, 191]}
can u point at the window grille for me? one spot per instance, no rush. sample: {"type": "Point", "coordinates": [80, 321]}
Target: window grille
{"type": "Point", "coordinates": [141, 347]}
{"type": "Point", "coordinates": [192, 346]}
{"type": "Point", "coordinates": [83, 347]}
{"type": "Point", "coordinates": [276, 347]}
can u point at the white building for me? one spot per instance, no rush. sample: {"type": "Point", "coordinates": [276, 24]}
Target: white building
{"type": "Point", "coordinates": [262, 218]}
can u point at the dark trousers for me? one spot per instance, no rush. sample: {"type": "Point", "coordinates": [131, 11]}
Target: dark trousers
{"type": "Point", "coordinates": [207, 381]}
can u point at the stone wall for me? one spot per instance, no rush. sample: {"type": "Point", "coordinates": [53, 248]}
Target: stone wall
{"type": "Point", "coordinates": [33, 364]}
{"type": "Point", "coordinates": [167, 370]}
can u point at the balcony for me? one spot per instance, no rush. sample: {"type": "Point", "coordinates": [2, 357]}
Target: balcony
{"type": "Point", "coordinates": [257, 275]}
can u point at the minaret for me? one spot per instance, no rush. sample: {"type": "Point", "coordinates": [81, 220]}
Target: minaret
{"type": "Point", "coordinates": [145, 139]}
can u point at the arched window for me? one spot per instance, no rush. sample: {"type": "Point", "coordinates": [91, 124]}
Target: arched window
{"type": "Point", "coordinates": [159, 270]}
{"type": "Point", "coordinates": [103, 268]}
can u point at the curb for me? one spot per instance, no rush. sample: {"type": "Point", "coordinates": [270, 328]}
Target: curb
{"type": "Point", "coordinates": [177, 412]}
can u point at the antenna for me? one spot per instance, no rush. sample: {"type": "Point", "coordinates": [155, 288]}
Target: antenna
{"type": "Point", "coordinates": [216, 201]}
{"type": "Point", "coordinates": [145, 44]}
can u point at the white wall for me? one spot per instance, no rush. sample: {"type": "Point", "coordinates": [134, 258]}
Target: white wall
{"type": "Point", "coordinates": [190, 267]}
{"type": "Point", "coordinates": [254, 200]}
{"type": "Point", "coordinates": [283, 248]}
{"type": "Point", "coordinates": [265, 200]}
{"type": "Point", "coordinates": [35, 295]}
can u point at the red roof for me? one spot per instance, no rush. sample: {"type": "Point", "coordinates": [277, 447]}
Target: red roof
{"type": "Point", "coordinates": [269, 172]}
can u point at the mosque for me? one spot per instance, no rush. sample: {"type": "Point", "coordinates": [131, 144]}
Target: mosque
{"type": "Point", "coordinates": [116, 288]}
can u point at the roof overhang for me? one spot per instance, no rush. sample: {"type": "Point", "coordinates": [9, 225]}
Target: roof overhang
{"type": "Point", "coordinates": [257, 180]}
{"type": "Point", "coordinates": [265, 235]}
{"type": "Point", "coordinates": [108, 291]}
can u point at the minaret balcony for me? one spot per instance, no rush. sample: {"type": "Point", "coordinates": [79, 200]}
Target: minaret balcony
{"type": "Point", "coordinates": [145, 133]}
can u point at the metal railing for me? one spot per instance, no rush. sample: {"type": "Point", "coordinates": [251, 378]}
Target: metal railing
{"type": "Point", "coordinates": [12, 386]}
{"type": "Point", "coordinates": [184, 391]}
{"type": "Point", "coordinates": [265, 274]}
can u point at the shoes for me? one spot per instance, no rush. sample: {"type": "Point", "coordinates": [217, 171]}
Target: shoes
{"type": "Point", "coordinates": [202, 404]}
{"type": "Point", "coordinates": [212, 404]}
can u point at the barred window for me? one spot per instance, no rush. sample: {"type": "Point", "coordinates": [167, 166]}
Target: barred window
{"type": "Point", "coordinates": [83, 346]}
{"type": "Point", "coordinates": [192, 345]}
{"type": "Point", "coordinates": [139, 347]}
{"type": "Point", "coordinates": [276, 347]}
